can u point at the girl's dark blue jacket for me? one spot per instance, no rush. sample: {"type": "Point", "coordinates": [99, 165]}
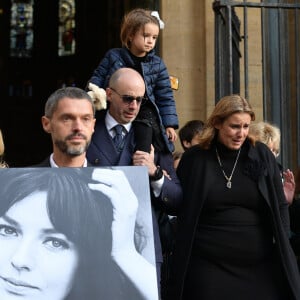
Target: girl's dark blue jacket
{"type": "Point", "coordinates": [157, 81]}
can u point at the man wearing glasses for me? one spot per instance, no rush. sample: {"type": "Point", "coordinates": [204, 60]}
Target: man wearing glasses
{"type": "Point", "coordinates": [113, 145]}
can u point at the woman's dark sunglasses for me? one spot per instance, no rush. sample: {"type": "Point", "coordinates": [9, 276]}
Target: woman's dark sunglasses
{"type": "Point", "coordinates": [128, 99]}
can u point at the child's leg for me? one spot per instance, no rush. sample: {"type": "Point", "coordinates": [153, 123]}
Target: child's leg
{"type": "Point", "coordinates": [148, 115]}
{"type": "Point", "coordinates": [143, 135]}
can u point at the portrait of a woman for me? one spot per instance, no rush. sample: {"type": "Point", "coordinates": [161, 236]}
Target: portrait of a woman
{"type": "Point", "coordinates": [64, 234]}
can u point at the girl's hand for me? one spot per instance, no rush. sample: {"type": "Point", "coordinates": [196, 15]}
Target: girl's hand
{"type": "Point", "coordinates": [171, 134]}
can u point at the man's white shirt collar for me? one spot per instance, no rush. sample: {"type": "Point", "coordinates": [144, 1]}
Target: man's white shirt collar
{"type": "Point", "coordinates": [110, 123]}
{"type": "Point", "coordinates": [54, 165]}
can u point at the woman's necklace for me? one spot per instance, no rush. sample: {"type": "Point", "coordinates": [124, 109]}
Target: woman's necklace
{"type": "Point", "coordinates": [228, 184]}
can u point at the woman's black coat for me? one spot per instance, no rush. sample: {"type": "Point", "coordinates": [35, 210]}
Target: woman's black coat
{"type": "Point", "coordinates": [194, 171]}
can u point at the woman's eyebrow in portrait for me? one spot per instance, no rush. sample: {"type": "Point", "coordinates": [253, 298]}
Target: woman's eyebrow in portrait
{"type": "Point", "coordinates": [11, 221]}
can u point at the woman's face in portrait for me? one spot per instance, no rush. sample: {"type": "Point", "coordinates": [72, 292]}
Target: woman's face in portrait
{"type": "Point", "coordinates": [234, 130]}
{"type": "Point", "coordinates": [36, 261]}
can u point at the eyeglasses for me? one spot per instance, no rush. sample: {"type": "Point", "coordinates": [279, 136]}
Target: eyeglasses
{"type": "Point", "coordinates": [128, 99]}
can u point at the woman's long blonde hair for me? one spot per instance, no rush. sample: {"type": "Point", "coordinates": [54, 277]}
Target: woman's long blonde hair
{"type": "Point", "coordinates": [227, 106]}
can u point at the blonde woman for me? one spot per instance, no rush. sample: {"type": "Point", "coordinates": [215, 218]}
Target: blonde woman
{"type": "Point", "coordinates": [269, 134]}
{"type": "Point", "coordinates": [232, 239]}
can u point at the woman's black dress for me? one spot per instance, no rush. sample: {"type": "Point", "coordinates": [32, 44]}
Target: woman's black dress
{"type": "Point", "coordinates": [234, 255]}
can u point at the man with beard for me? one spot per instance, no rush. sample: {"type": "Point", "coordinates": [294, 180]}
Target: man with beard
{"type": "Point", "coordinates": [69, 118]}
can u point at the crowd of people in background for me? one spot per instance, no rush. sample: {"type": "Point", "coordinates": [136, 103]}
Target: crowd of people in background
{"type": "Point", "coordinates": [233, 205]}
{"type": "Point", "coordinates": [242, 186]}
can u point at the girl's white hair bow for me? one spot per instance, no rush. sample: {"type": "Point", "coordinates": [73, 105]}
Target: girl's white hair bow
{"type": "Point", "coordinates": [156, 15]}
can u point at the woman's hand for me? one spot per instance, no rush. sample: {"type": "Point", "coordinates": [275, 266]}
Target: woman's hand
{"type": "Point", "coordinates": [289, 186]}
{"type": "Point", "coordinates": [114, 184]}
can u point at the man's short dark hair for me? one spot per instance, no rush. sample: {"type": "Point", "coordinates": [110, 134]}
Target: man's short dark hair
{"type": "Point", "coordinates": [67, 92]}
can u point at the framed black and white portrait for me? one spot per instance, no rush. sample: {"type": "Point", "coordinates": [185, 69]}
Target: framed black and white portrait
{"type": "Point", "coordinates": [76, 233]}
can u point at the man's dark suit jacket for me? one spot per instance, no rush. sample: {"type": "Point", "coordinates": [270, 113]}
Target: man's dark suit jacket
{"type": "Point", "coordinates": [102, 152]}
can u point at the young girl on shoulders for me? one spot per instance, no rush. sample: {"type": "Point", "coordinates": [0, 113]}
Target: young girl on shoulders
{"type": "Point", "coordinates": [157, 119]}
